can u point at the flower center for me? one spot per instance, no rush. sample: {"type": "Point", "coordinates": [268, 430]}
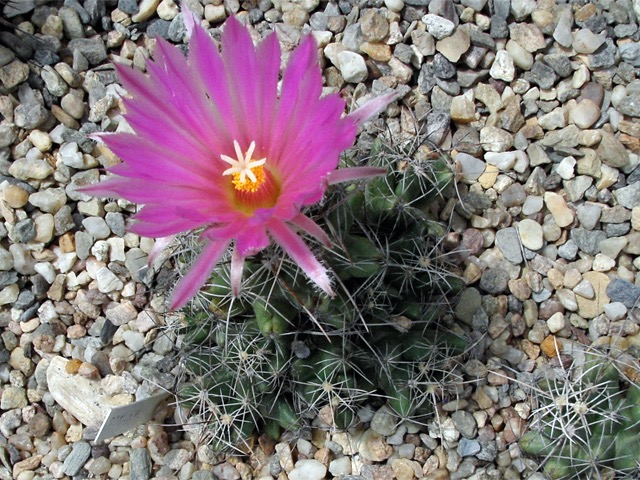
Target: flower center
{"type": "Point", "coordinates": [254, 185]}
{"type": "Point", "coordinates": [247, 175]}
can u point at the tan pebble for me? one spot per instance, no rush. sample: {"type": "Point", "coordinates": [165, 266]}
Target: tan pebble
{"type": "Point", "coordinates": [146, 9]}
{"type": "Point", "coordinates": [27, 465]}
{"type": "Point", "coordinates": [556, 277]}
{"type": "Point", "coordinates": [556, 204]}
{"type": "Point", "coordinates": [167, 10]}
{"type": "Point", "coordinates": [635, 218]}
{"type": "Point", "coordinates": [520, 289]}
{"type": "Point", "coordinates": [551, 345]}
{"type": "Point", "coordinates": [323, 455]}
{"type": "Point", "coordinates": [373, 447]}
{"type": "Point", "coordinates": [489, 177]}
{"type": "Point", "coordinates": [283, 451]}
{"type": "Point", "coordinates": [530, 349]}
{"type": "Point", "coordinates": [67, 243]}
{"type": "Point", "coordinates": [572, 277]}
{"type": "Point", "coordinates": [472, 273]}
{"type": "Point", "coordinates": [41, 140]}
{"type": "Point", "coordinates": [72, 366]}
{"type": "Point", "coordinates": [591, 308]}
{"type": "Point", "coordinates": [462, 109]}
{"type": "Point", "coordinates": [30, 325]}
{"type": "Point", "coordinates": [15, 196]}
{"type": "Point", "coordinates": [497, 378]}
{"type": "Point", "coordinates": [74, 434]}
{"type": "Point", "coordinates": [586, 12]}
{"type": "Point", "coordinates": [215, 13]}
{"type": "Point", "coordinates": [405, 469]}
{"type": "Point", "coordinates": [76, 331]}
{"type": "Point", "coordinates": [380, 52]}
{"type": "Point", "coordinates": [64, 118]}
{"type": "Point", "coordinates": [89, 371]}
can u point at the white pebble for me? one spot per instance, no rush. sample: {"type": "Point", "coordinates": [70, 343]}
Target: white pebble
{"type": "Point", "coordinates": [602, 263]}
{"type": "Point", "coordinates": [556, 322]}
{"type": "Point", "coordinates": [352, 67]}
{"type": "Point", "coordinates": [308, 470]}
{"type": "Point", "coordinates": [46, 270]}
{"type": "Point", "coordinates": [615, 311]}
{"type": "Point", "coordinates": [566, 168]}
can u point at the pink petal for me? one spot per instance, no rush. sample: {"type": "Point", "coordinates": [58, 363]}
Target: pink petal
{"type": "Point", "coordinates": [237, 265]}
{"type": "Point", "coordinates": [198, 274]}
{"type": "Point", "coordinates": [301, 254]}
{"type": "Point", "coordinates": [206, 60]}
{"type": "Point", "coordinates": [154, 159]}
{"type": "Point", "coordinates": [159, 246]}
{"type": "Point", "coordinates": [188, 17]}
{"type": "Point", "coordinates": [353, 173]}
{"type": "Point", "coordinates": [372, 108]}
{"type": "Point", "coordinates": [250, 241]}
{"type": "Point", "coordinates": [307, 225]}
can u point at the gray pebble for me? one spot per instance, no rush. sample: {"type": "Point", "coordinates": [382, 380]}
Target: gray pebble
{"type": "Point", "coordinates": [77, 458]}
{"type": "Point", "coordinates": [128, 6]}
{"type": "Point", "coordinates": [159, 28]}
{"type": "Point", "coordinates": [50, 200]}
{"type": "Point", "coordinates": [71, 23]}
{"type": "Point", "coordinates": [560, 64]}
{"type": "Point", "coordinates": [605, 56]}
{"type": "Point", "coordinates": [384, 421]}
{"type": "Point", "coordinates": [92, 49]}
{"type": "Point", "coordinates": [24, 231]}
{"type": "Point", "coordinates": [488, 452]}
{"type": "Point", "coordinates": [53, 81]}
{"type": "Point", "coordinates": [616, 229]}
{"type": "Point", "coordinates": [494, 280]}
{"type": "Point", "coordinates": [625, 292]}
{"type": "Point", "coordinates": [588, 241]}
{"type": "Point", "coordinates": [542, 75]}
{"type": "Point", "coordinates": [589, 215]}
{"type": "Point", "coordinates": [63, 220]}
{"type": "Point", "coordinates": [8, 278]}
{"type": "Point", "coordinates": [465, 423]}
{"type": "Point", "coordinates": [7, 135]}
{"type": "Point", "coordinates": [30, 115]}
{"type": "Point", "coordinates": [96, 227]}
{"type": "Point", "coordinates": [628, 196]}
{"type": "Point", "coordinates": [468, 448]}
{"type": "Point", "coordinates": [508, 242]}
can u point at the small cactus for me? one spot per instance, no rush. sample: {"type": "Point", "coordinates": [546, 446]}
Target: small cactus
{"type": "Point", "coordinates": [282, 352]}
{"type": "Point", "coordinates": [586, 420]}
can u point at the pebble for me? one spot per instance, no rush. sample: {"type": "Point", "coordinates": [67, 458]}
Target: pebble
{"type": "Point", "coordinates": [454, 46]}
{"type": "Point", "coordinates": [50, 200]}
{"type": "Point", "coordinates": [508, 241]}
{"type": "Point", "coordinates": [585, 41]}
{"type": "Point", "coordinates": [437, 26]}
{"type": "Point", "coordinates": [568, 113]}
{"type": "Point", "coordinates": [615, 311]}
{"type": "Point", "coordinates": [503, 67]}
{"type": "Point", "coordinates": [77, 458]}
{"type": "Point", "coordinates": [562, 214]}
{"type": "Point", "coordinates": [619, 290]}
{"type": "Point", "coordinates": [531, 234]}
{"type": "Point", "coordinates": [352, 67]}
{"type": "Point", "coordinates": [585, 114]}
{"type": "Point", "coordinates": [308, 470]}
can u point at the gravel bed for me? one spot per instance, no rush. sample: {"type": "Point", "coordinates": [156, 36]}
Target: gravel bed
{"type": "Point", "coordinates": [538, 104]}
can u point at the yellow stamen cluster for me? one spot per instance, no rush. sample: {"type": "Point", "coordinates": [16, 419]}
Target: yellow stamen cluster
{"type": "Point", "coordinates": [251, 186]}
{"type": "Point", "coordinates": [247, 174]}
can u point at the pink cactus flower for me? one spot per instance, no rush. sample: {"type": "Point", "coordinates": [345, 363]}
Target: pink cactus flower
{"type": "Point", "coordinates": [218, 148]}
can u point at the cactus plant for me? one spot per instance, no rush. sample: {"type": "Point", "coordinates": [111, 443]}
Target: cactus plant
{"type": "Point", "coordinates": [587, 418]}
{"type": "Point", "coordinates": [282, 352]}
